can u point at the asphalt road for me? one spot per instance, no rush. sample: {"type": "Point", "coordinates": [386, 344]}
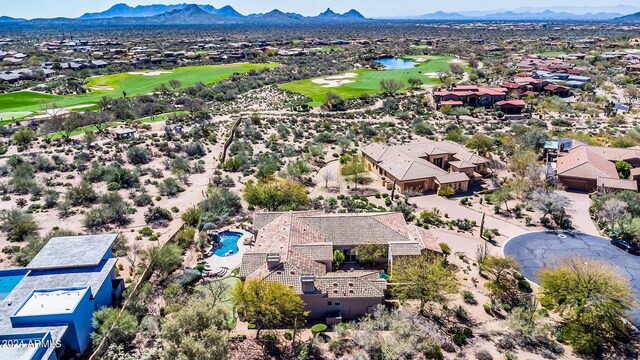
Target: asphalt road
{"type": "Point", "coordinates": [534, 250]}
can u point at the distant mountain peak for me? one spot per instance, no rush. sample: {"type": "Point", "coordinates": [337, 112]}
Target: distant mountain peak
{"type": "Point", "coordinates": [353, 14]}
{"type": "Point", "coordinates": [228, 11]}
{"type": "Point", "coordinates": [635, 17]}
{"type": "Point", "coordinates": [328, 12]}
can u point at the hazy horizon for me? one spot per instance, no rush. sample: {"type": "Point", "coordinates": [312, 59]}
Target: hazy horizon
{"type": "Point", "coordinates": [370, 8]}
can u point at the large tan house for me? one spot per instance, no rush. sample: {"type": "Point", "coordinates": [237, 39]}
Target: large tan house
{"type": "Point", "coordinates": [425, 166]}
{"type": "Point", "coordinates": [590, 168]}
{"type": "Point", "coordinates": [296, 249]}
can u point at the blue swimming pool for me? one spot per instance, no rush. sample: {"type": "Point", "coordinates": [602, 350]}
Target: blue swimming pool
{"type": "Point", "coordinates": [8, 280]}
{"type": "Point", "coordinates": [393, 63]}
{"type": "Point", "coordinates": [226, 243]}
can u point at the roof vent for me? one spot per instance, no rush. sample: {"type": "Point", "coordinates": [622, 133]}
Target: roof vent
{"type": "Point", "coordinates": [351, 291]}
{"type": "Point", "coordinates": [350, 284]}
{"type": "Point", "coordinates": [335, 284]}
{"type": "Point", "coordinates": [335, 291]}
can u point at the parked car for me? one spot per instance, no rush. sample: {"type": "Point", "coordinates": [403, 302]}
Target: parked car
{"type": "Point", "coordinates": [627, 246]}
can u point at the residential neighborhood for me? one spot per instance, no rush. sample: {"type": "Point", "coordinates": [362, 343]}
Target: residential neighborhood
{"type": "Point", "coordinates": [305, 180]}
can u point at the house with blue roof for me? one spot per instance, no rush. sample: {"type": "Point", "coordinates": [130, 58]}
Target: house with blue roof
{"type": "Point", "coordinates": [46, 308]}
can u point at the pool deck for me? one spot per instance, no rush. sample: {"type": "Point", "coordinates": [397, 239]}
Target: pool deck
{"type": "Point", "coordinates": [233, 261]}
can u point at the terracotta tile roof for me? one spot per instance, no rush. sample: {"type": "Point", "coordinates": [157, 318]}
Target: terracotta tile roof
{"type": "Point", "coordinates": [404, 248]}
{"type": "Point", "coordinates": [452, 178]}
{"type": "Point", "coordinates": [461, 164]}
{"type": "Point", "coordinates": [511, 102]}
{"type": "Point", "coordinates": [617, 183]}
{"type": "Point", "coordinates": [304, 239]}
{"type": "Point", "coordinates": [583, 162]}
{"type": "Point", "coordinates": [352, 284]}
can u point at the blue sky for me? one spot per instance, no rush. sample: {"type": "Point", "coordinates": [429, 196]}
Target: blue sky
{"type": "Point", "coordinates": [370, 8]}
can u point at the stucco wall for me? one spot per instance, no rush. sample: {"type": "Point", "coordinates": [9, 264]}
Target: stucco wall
{"type": "Point", "coordinates": [350, 308]}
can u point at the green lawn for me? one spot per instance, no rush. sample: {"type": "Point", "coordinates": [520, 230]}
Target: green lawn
{"type": "Point", "coordinates": [132, 84]}
{"type": "Point", "coordinates": [368, 80]}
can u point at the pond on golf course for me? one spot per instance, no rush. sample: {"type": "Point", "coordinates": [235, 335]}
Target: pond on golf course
{"type": "Point", "coordinates": [394, 63]}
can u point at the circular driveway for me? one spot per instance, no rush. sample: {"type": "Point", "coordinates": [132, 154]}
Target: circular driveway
{"type": "Point", "coordinates": [537, 249]}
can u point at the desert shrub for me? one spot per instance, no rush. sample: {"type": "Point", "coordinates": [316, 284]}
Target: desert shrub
{"type": "Point", "coordinates": [170, 187]}
{"type": "Point", "coordinates": [446, 191]}
{"type": "Point", "coordinates": [146, 231]}
{"type": "Point", "coordinates": [195, 149]}
{"type": "Point", "coordinates": [143, 199]}
{"type": "Point", "coordinates": [138, 155]}
{"type": "Point", "coordinates": [122, 176]}
{"type": "Point", "coordinates": [483, 355]}
{"type": "Point", "coordinates": [156, 213]}
{"type": "Point", "coordinates": [318, 328]}
{"type": "Point", "coordinates": [17, 225]}
{"type": "Point", "coordinates": [468, 297]}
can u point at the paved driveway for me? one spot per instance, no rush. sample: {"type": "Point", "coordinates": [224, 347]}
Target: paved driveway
{"type": "Point", "coordinates": [578, 209]}
{"type": "Point", "coordinates": [534, 250]}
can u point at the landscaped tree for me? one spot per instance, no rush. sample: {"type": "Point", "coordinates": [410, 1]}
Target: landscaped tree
{"type": "Point", "coordinates": [267, 304]}
{"type": "Point", "coordinates": [278, 194]}
{"type": "Point", "coordinates": [24, 136]}
{"type": "Point", "coordinates": [503, 269]}
{"type": "Point", "coordinates": [613, 212]}
{"type": "Point", "coordinates": [197, 330]}
{"type": "Point", "coordinates": [355, 169]}
{"type": "Point", "coordinates": [415, 83]}
{"type": "Point", "coordinates": [116, 326]}
{"type": "Point", "coordinates": [370, 253]}
{"type": "Point", "coordinates": [529, 321]}
{"type": "Point", "coordinates": [338, 259]}
{"type": "Point", "coordinates": [424, 278]}
{"type": "Point", "coordinates": [551, 203]}
{"type": "Point", "coordinates": [17, 225]}
{"type": "Point", "coordinates": [327, 175]}
{"type": "Point", "coordinates": [592, 297]}
{"type": "Point", "coordinates": [502, 196]}
{"type": "Point", "coordinates": [519, 162]}
{"type": "Point", "coordinates": [335, 102]}
{"type": "Point", "coordinates": [162, 260]}
{"type": "Point", "coordinates": [481, 143]}
{"type": "Point", "coordinates": [175, 84]}
{"type": "Point", "coordinates": [456, 68]}
{"type": "Point", "coordinates": [623, 168]}
{"type": "Point", "coordinates": [390, 86]}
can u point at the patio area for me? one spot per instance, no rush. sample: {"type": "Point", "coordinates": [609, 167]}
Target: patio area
{"type": "Point", "coordinates": [221, 263]}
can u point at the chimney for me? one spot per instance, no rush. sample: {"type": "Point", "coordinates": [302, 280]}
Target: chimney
{"type": "Point", "coordinates": [308, 284]}
{"type": "Point", "coordinates": [273, 261]}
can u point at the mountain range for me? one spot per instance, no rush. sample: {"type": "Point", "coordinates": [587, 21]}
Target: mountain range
{"type": "Point", "coordinates": [205, 14]}
{"type": "Point", "coordinates": [192, 14]}
{"type": "Point", "coordinates": [629, 18]}
{"type": "Point", "coordinates": [545, 15]}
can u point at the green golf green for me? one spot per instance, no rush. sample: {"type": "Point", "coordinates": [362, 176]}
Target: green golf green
{"type": "Point", "coordinates": [133, 83]}
{"type": "Point", "coordinates": [367, 81]}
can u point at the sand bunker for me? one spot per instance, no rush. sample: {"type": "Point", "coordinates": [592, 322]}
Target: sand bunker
{"type": "Point", "coordinates": [101, 88]}
{"type": "Point", "coordinates": [456, 61]}
{"type": "Point", "coordinates": [335, 80]}
{"type": "Point", "coordinates": [149, 73]}
{"type": "Point", "coordinates": [433, 75]}
{"type": "Point", "coordinates": [419, 60]}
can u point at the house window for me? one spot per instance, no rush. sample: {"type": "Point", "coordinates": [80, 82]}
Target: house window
{"type": "Point", "coordinates": [437, 162]}
{"type": "Point", "coordinates": [329, 303]}
{"type": "Point", "coordinates": [336, 303]}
